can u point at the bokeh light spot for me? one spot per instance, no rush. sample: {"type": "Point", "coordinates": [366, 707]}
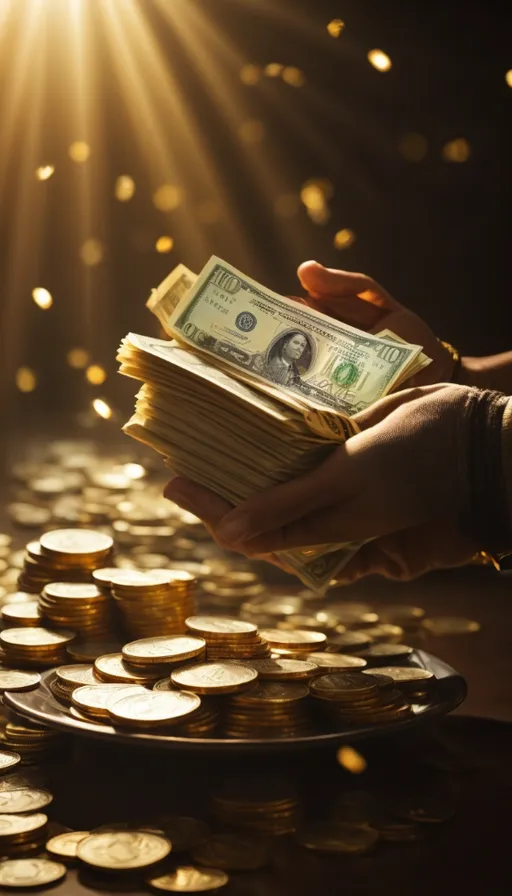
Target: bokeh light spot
{"type": "Point", "coordinates": [167, 197]}
{"type": "Point", "coordinates": [26, 379]}
{"type": "Point", "coordinates": [42, 297]}
{"type": "Point", "coordinates": [508, 77]}
{"type": "Point", "coordinates": [250, 75]}
{"type": "Point", "coordinates": [335, 27]}
{"type": "Point", "coordinates": [124, 188]}
{"type": "Point", "coordinates": [344, 238]}
{"type": "Point", "coordinates": [351, 760]}
{"type": "Point", "coordinates": [273, 69]}
{"type": "Point", "coordinates": [96, 375]}
{"type": "Point", "coordinates": [78, 358]}
{"type": "Point", "coordinates": [45, 172]}
{"type": "Point", "coordinates": [102, 408]}
{"type": "Point", "coordinates": [413, 147]}
{"type": "Point", "coordinates": [92, 252]}
{"type": "Point", "coordinates": [79, 151]}
{"type": "Point", "coordinates": [380, 60]}
{"type": "Point", "coordinates": [457, 150]}
{"type": "Point", "coordinates": [293, 76]}
{"type": "Point", "coordinates": [164, 244]}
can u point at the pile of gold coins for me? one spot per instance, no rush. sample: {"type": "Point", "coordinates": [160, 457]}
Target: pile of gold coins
{"type": "Point", "coordinates": [270, 709]}
{"type": "Point", "coordinates": [354, 699]}
{"type": "Point", "coordinates": [228, 638]}
{"type": "Point", "coordinates": [64, 555]}
{"type": "Point", "coordinates": [153, 601]}
{"type": "Point", "coordinates": [34, 647]}
{"type": "Point", "coordinates": [79, 606]}
{"type": "Point", "coordinates": [270, 808]}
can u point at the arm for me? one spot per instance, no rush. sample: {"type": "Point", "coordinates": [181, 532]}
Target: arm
{"type": "Point", "coordinates": [492, 372]}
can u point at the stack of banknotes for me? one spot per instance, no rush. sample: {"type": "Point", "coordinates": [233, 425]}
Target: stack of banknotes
{"type": "Point", "coordinates": [253, 389]}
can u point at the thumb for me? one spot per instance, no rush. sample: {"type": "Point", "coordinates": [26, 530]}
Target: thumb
{"type": "Point", "coordinates": [321, 281]}
{"type": "Point", "coordinates": [377, 412]}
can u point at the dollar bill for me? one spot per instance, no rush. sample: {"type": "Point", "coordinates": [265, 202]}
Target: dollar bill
{"type": "Point", "coordinates": [269, 338]}
{"type": "Point", "coordinates": [164, 299]}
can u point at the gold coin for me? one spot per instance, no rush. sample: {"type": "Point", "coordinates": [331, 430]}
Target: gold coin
{"type": "Point", "coordinates": [384, 631]}
{"type": "Point", "coordinates": [111, 667]}
{"type": "Point", "coordinates": [13, 827]}
{"type": "Point", "coordinates": [33, 872]}
{"type": "Point", "coordinates": [383, 651]}
{"type": "Point", "coordinates": [233, 852]}
{"type": "Point", "coordinates": [339, 837]}
{"type": "Point", "coordinates": [103, 576]}
{"type": "Point", "coordinates": [403, 674]}
{"type": "Point", "coordinates": [165, 684]}
{"type": "Point", "coordinates": [220, 626]}
{"type": "Point", "coordinates": [32, 638]}
{"type": "Point", "coordinates": [153, 708]}
{"type": "Point", "coordinates": [64, 845]}
{"type": "Point", "coordinates": [214, 678]}
{"type": "Point", "coordinates": [344, 686]}
{"type": "Point", "coordinates": [22, 613]}
{"type": "Point", "coordinates": [336, 662]}
{"type": "Point", "coordinates": [450, 625]}
{"type": "Point", "coordinates": [76, 676]}
{"type": "Point", "coordinates": [89, 719]}
{"type": "Point", "coordinates": [14, 680]}
{"type": "Point", "coordinates": [123, 850]}
{"type": "Point", "coordinates": [293, 639]}
{"type": "Point", "coordinates": [265, 693]}
{"type": "Point", "coordinates": [81, 592]}
{"type": "Point", "coordinates": [75, 541]}
{"type": "Point", "coordinates": [137, 579]}
{"type": "Point", "coordinates": [187, 879]}
{"type": "Point", "coordinates": [171, 648]}
{"type": "Point", "coordinates": [27, 800]}
{"type": "Point", "coordinates": [277, 669]}
{"type": "Point", "coordinates": [95, 698]}
{"type": "Point", "coordinates": [8, 760]}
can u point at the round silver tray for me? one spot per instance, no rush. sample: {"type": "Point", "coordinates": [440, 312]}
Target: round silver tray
{"type": "Point", "coordinates": [41, 706]}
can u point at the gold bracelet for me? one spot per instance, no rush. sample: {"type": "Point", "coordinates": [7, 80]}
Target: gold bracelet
{"type": "Point", "coordinates": [456, 356]}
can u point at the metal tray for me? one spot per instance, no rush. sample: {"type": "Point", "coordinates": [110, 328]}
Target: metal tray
{"type": "Point", "coordinates": [41, 706]}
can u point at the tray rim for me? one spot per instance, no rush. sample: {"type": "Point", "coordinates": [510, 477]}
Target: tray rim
{"type": "Point", "coordinates": [452, 689]}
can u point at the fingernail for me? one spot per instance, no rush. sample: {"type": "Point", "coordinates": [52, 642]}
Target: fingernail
{"type": "Point", "coordinates": [234, 530]}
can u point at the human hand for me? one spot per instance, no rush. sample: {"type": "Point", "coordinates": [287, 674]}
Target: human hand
{"type": "Point", "coordinates": [359, 301]}
{"type": "Point", "coordinates": [402, 471]}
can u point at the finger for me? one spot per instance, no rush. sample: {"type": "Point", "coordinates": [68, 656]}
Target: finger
{"type": "Point", "coordinates": [202, 502]}
{"type": "Point", "coordinates": [289, 501]}
{"type": "Point", "coordinates": [321, 282]}
{"type": "Point", "coordinates": [349, 309]}
{"type": "Point", "coordinates": [377, 412]}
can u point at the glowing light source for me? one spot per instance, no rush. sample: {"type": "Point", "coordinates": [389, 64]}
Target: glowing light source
{"type": "Point", "coordinates": [44, 172]}
{"type": "Point", "coordinates": [164, 244]}
{"type": "Point", "coordinates": [315, 193]}
{"type": "Point", "coordinates": [457, 150]}
{"type": "Point", "coordinates": [42, 297]}
{"type": "Point", "coordinates": [134, 471]}
{"type": "Point", "coordinates": [344, 238]}
{"type": "Point", "coordinates": [26, 379]}
{"type": "Point", "coordinates": [78, 358]}
{"type": "Point", "coordinates": [91, 252]}
{"type": "Point", "coordinates": [508, 77]}
{"type": "Point", "coordinates": [124, 188]}
{"type": "Point", "coordinates": [102, 408]}
{"type": "Point", "coordinates": [250, 75]}
{"type": "Point", "coordinates": [252, 131]}
{"type": "Point", "coordinates": [79, 151]}
{"type": "Point", "coordinates": [413, 147]}
{"type": "Point", "coordinates": [335, 27]}
{"type": "Point", "coordinates": [95, 374]}
{"type": "Point", "coordinates": [293, 76]}
{"type": "Point", "coordinates": [167, 197]}
{"type": "Point", "coordinates": [380, 60]}
{"type": "Point", "coordinates": [351, 760]}
{"type": "Point", "coordinates": [273, 69]}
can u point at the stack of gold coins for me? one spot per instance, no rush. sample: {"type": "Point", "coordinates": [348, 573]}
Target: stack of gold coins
{"type": "Point", "coordinates": [69, 678]}
{"type": "Point", "coordinates": [359, 698]}
{"type": "Point", "coordinates": [164, 650]}
{"type": "Point", "coordinates": [91, 702]}
{"type": "Point", "coordinates": [154, 709]}
{"type": "Point", "coordinates": [64, 554]}
{"type": "Point", "coordinates": [25, 613]}
{"type": "Point", "coordinates": [270, 709]}
{"type": "Point", "coordinates": [81, 607]}
{"type": "Point", "coordinates": [155, 601]}
{"type": "Point", "coordinates": [22, 835]}
{"type": "Point", "coordinates": [268, 806]}
{"type": "Point", "coordinates": [34, 743]}
{"type": "Point", "coordinates": [336, 662]}
{"type": "Point", "coordinates": [204, 722]}
{"type": "Point", "coordinates": [111, 667]}
{"type": "Point", "coordinates": [39, 648]}
{"type": "Point", "coordinates": [228, 638]}
{"type": "Point", "coordinates": [412, 681]}
{"type": "Point", "coordinates": [295, 642]}
{"type": "Point", "coordinates": [394, 654]}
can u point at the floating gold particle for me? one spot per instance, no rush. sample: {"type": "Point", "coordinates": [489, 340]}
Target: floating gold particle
{"type": "Point", "coordinates": [79, 151]}
{"type": "Point", "coordinates": [167, 197]}
{"type": "Point", "coordinates": [250, 75]}
{"type": "Point", "coordinates": [287, 205]}
{"type": "Point", "coordinates": [315, 193]}
{"type": "Point", "coordinates": [45, 172]}
{"type": "Point", "coordinates": [508, 77]}
{"type": "Point", "coordinates": [26, 379]}
{"type": "Point", "coordinates": [345, 238]}
{"type": "Point", "coordinates": [164, 244]}
{"type": "Point", "coordinates": [293, 76]}
{"type": "Point", "coordinates": [273, 69]}
{"type": "Point", "coordinates": [42, 297]}
{"type": "Point", "coordinates": [95, 374]}
{"type": "Point", "coordinates": [102, 408]}
{"type": "Point", "coordinates": [380, 60]}
{"type": "Point", "coordinates": [351, 760]}
{"type": "Point", "coordinates": [457, 150]}
{"type": "Point", "coordinates": [91, 252]}
{"type": "Point", "coordinates": [335, 27]}
{"type": "Point", "coordinates": [124, 188]}
{"type": "Point", "coordinates": [77, 358]}
{"type": "Point", "coordinates": [252, 131]}
{"type": "Point", "coordinates": [413, 147]}
{"type": "Point", "coordinates": [209, 212]}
